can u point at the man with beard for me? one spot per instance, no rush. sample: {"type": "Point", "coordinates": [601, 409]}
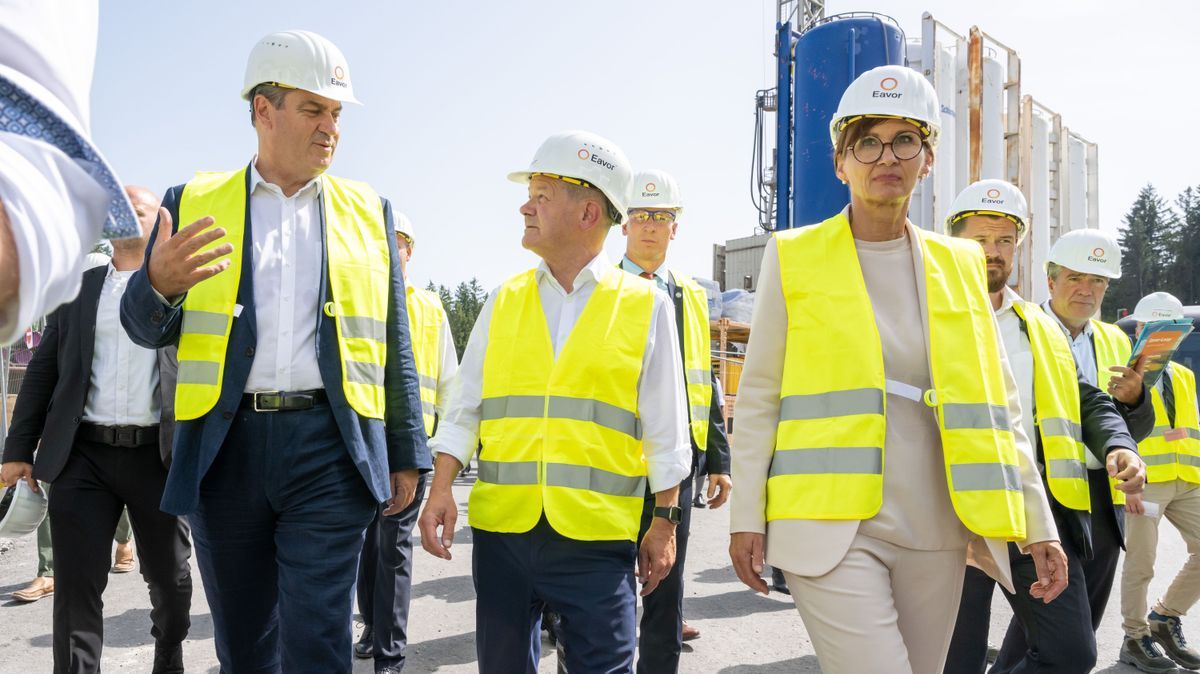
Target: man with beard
{"type": "Point", "coordinates": [1071, 418]}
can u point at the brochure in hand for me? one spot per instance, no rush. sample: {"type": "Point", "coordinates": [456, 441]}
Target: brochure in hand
{"type": "Point", "coordinates": [1158, 341]}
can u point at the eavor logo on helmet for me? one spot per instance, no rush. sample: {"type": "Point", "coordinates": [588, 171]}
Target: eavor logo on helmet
{"type": "Point", "coordinates": [887, 88]}
{"type": "Point", "coordinates": [339, 77]}
{"type": "Point", "coordinates": [993, 197]}
{"type": "Point", "coordinates": [1097, 255]}
{"type": "Point", "coordinates": [651, 190]}
{"type": "Point", "coordinates": [584, 154]}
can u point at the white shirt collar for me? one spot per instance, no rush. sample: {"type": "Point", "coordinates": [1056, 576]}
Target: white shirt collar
{"type": "Point", "coordinates": [598, 267]}
{"type": "Point", "coordinates": [1087, 327]}
{"type": "Point", "coordinates": [1010, 298]}
{"type": "Point", "coordinates": [256, 180]}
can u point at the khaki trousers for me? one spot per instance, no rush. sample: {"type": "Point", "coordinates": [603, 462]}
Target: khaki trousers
{"type": "Point", "coordinates": [1179, 501]}
{"type": "Point", "coordinates": [884, 608]}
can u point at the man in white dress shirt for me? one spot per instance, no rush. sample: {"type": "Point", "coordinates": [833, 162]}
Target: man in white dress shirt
{"type": "Point", "coordinates": [571, 383]}
{"type": "Point", "coordinates": [57, 193]}
{"type": "Point", "coordinates": [92, 399]}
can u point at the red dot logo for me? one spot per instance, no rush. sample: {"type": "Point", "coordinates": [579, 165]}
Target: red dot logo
{"type": "Point", "coordinates": [339, 73]}
{"type": "Point", "coordinates": [651, 187]}
{"type": "Point", "coordinates": [888, 83]}
{"type": "Point", "coordinates": [584, 154]}
{"type": "Point", "coordinates": [1098, 252]}
{"type": "Point", "coordinates": [993, 193]}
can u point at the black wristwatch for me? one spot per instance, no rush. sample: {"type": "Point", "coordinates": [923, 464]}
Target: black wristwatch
{"type": "Point", "coordinates": [672, 514]}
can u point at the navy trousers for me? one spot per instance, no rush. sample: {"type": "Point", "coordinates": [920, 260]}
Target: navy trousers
{"type": "Point", "coordinates": [590, 584]}
{"type": "Point", "coordinates": [1098, 573]}
{"type": "Point", "coordinates": [385, 580]}
{"type": "Point", "coordinates": [277, 532]}
{"type": "Point", "coordinates": [661, 638]}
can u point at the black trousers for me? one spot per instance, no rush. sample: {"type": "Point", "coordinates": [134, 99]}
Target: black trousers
{"type": "Point", "coordinates": [1055, 637]}
{"type": "Point", "coordinates": [385, 580]}
{"type": "Point", "coordinates": [86, 501]}
{"type": "Point", "coordinates": [661, 639]}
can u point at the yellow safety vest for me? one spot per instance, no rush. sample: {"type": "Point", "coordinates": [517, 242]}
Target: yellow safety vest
{"type": "Point", "coordinates": [1056, 400]}
{"type": "Point", "coordinates": [1174, 459]}
{"type": "Point", "coordinates": [356, 246]}
{"type": "Point", "coordinates": [1112, 347]}
{"type": "Point", "coordinates": [425, 319]}
{"type": "Point", "coordinates": [829, 451]}
{"type": "Point", "coordinates": [562, 435]}
{"type": "Point", "coordinates": [697, 356]}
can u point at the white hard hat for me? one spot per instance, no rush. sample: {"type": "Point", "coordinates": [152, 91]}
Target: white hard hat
{"type": "Point", "coordinates": [588, 158]}
{"type": "Point", "coordinates": [1088, 251]}
{"type": "Point", "coordinates": [299, 59]}
{"type": "Point", "coordinates": [404, 226]}
{"type": "Point", "coordinates": [992, 197]}
{"type": "Point", "coordinates": [890, 92]}
{"type": "Point", "coordinates": [1157, 307]}
{"type": "Point", "coordinates": [655, 188]}
{"type": "Point", "coordinates": [25, 512]}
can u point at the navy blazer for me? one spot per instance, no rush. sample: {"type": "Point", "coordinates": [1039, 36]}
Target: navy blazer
{"type": "Point", "coordinates": [377, 447]}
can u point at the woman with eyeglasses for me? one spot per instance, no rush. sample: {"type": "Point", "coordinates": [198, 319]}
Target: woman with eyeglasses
{"type": "Point", "coordinates": [879, 443]}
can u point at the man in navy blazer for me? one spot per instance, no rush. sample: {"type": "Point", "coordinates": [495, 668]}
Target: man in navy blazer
{"type": "Point", "coordinates": [283, 473]}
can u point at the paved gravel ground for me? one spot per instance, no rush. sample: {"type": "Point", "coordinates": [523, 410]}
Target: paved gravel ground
{"type": "Point", "coordinates": [742, 633]}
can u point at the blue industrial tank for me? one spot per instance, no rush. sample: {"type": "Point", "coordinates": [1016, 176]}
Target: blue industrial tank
{"type": "Point", "coordinates": [829, 57]}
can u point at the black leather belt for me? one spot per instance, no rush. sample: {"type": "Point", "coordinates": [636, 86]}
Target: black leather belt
{"type": "Point", "coordinates": [119, 436]}
{"type": "Point", "coordinates": [284, 401]}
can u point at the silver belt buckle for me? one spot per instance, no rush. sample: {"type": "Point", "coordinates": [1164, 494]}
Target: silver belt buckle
{"type": "Point", "coordinates": [259, 393]}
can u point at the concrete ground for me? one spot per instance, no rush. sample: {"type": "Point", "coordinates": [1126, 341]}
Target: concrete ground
{"type": "Point", "coordinates": [742, 633]}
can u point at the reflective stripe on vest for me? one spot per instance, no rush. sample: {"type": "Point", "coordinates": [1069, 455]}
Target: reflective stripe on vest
{"type": "Point", "coordinates": [359, 279]}
{"type": "Point", "coordinates": [697, 356]}
{"type": "Point", "coordinates": [1112, 347]}
{"type": "Point", "coordinates": [829, 457]}
{"type": "Point", "coordinates": [425, 319]}
{"type": "Point", "coordinates": [1168, 460]}
{"type": "Point", "coordinates": [561, 436]}
{"type": "Point", "coordinates": [1057, 411]}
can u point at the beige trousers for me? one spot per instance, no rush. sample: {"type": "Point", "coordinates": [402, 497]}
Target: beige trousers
{"type": "Point", "coordinates": [884, 608]}
{"type": "Point", "coordinates": [1179, 501]}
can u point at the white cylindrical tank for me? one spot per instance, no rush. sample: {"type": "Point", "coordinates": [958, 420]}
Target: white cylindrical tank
{"type": "Point", "coordinates": [994, 74]}
{"type": "Point", "coordinates": [1077, 196]}
{"type": "Point", "coordinates": [1041, 218]}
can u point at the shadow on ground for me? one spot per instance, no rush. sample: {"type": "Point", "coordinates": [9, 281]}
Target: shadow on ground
{"type": "Point", "coordinates": [737, 604]}
{"type": "Point", "coordinates": [132, 628]}
{"type": "Point", "coordinates": [806, 663]}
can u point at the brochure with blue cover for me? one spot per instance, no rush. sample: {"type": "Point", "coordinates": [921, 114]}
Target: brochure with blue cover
{"type": "Point", "coordinates": [1158, 341]}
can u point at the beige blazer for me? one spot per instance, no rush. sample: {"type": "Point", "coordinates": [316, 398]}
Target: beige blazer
{"type": "Point", "coordinates": [815, 547]}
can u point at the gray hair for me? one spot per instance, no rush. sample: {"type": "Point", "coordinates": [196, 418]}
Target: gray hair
{"type": "Point", "coordinates": [609, 215]}
{"type": "Point", "coordinates": [1052, 270]}
{"type": "Point", "coordinates": [274, 93]}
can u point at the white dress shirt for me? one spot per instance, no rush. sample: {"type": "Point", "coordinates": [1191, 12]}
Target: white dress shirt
{"type": "Point", "coordinates": [287, 277]}
{"type": "Point", "coordinates": [1020, 358]}
{"type": "Point", "coordinates": [661, 397]}
{"type": "Point", "coordinates": [1081, 346]}
{"type": "Point", "coordinates": [56, 209]}
{"type": "Point", "coordinates": [123, 390]}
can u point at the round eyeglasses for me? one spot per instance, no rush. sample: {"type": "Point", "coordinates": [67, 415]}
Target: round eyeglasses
{"type": "Point", "coordinates": [869, 149]}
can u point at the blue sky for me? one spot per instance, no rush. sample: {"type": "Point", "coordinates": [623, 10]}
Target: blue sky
{"type": "Point", "coordinates": [458, 94]}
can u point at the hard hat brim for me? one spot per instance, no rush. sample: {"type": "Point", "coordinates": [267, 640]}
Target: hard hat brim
{"type": "Point", "coordinates": [341, 98]}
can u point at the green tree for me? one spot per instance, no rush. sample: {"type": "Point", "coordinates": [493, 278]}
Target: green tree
{"type": "Point", "coordinates": [1147, 252]}
{"type": "Point", "coordinates": [1185, 272]}
{"type": "Point", "coordinates": [462, 308]}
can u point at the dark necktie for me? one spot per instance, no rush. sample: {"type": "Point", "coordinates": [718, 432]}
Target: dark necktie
{"type": "Point", "coordinates": [1169, 398]}
{"type": "Point", "coordinates": [647, 275]}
